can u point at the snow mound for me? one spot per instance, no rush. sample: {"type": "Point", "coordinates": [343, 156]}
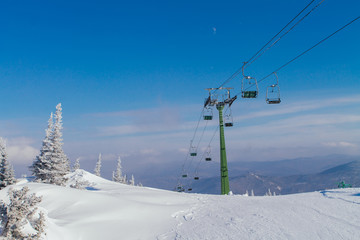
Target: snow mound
{"type": "Point", "coordinates": [112, 211]}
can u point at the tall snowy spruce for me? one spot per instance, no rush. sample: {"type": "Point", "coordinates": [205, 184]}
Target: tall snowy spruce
{"type": "Point", "coordinates": [77, 164]}
{"type": "Point", "coordinates": [132, 180]}
{"type": "Point", "coordinates": [97, 169]}
{"type": "Point", "coordinates": [117, 175]}
{"type": "Point", "coordinates": [60, 162]}
{"type": "Point", "coordinates": [51, 165]}
{"type": "Point", "coordinates": [7, 176]}
{"type": "Point", "coordinates": [41, 166]}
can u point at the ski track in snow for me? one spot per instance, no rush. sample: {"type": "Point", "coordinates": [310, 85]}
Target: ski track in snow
{"type": "Point", "coordinates": [300, 216]}
{"type": "Point", "coordinates": [115, 211]}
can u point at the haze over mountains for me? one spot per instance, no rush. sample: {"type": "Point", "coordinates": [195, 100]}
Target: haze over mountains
{"type": "Point", "coordinates": [282, 177]}
{"type": "Point", "coordinates": [286, 184]}
{"type": "Point", "coordinates": [291, 175]}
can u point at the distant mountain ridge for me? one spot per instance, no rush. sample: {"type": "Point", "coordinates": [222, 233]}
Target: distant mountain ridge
{"type": "Point", "coordinates": [165, 175]}
{"type": "Point", "coordinates": [349, 172]}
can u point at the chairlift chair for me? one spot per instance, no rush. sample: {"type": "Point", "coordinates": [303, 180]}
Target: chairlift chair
{"type": "Point", "coordinates": [249, 86]}
{"type": "Point", "coordinates": [229, 124]}
{"type": "Point", "coordinates": [196, 178]}
{"type": "Point", "coordinates": [273, 92]}
{"type": "Point", "coordinates": [180, 188]}
{"type": "Point", "coordinates": [208, 114]}
{"type": "Point", "coordinates": [208, 154]}
{"type": "Point", "coordinates": [228, 120]}
{"type": "Point", "coordinates": [193, 151]}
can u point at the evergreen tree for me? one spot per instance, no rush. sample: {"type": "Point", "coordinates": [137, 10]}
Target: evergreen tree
{"type": "Point", "coordinates": [252, 192]}
{"type": "Point", "coordinates": [117, 175]}
{"type": "Point", "coordinates": [51, 165]}
{"type": "Point", "coordinates": [98, 166]}
{"type": "Point", "coordinates": [41, 166]}
{"type": "Point", "coordinates": [7, 176]}
{"type": "Point", "coordinates": [20, 212]}
{"type": "Point", "coordinates": [132, 180]}
{"type": "Point", "coordinates": [77, 164]}
{"type": "Point", "coordinates": [60, 162]}
{"type": "Point", "coordinates": [268, 193]}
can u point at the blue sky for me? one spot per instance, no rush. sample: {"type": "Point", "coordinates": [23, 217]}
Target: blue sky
{"type": "Point", "coordinates": [131, 77]}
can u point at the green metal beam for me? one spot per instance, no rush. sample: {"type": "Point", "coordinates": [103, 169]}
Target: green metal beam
{"type": "Point", "coordinates": [225, 188]}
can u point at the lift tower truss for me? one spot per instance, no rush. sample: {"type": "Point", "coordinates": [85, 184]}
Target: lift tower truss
{"type": "Point", "coordinates": [220, 97]}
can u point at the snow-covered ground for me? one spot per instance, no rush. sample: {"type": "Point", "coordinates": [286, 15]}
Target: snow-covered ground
{"type": "Point", "coordinates": [110, 210]}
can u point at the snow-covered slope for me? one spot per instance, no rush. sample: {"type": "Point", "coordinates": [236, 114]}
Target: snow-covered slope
{"type": "Point", "coordinates": [115, 211]}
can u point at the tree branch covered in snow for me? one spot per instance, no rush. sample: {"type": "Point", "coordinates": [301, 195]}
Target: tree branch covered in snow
{"type": "Point", "coordinates": [20, 219]}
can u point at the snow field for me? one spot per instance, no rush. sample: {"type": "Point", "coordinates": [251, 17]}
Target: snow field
{"type": "Point", "coordinates": [115, 211]}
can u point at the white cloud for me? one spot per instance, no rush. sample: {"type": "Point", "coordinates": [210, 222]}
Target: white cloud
{"type": "Point", "coordinates": [290, 130]}
{"type": "Point", "coordinates": [20, 150]}
{"type": "Point", "coordinates": [21, 153]}
{"type": "Point", "coordinates": [340, 144]}
{"type": "Point", "coordinates": [297, 107]}
{"type": "Point", "coordinates": [149, 152]}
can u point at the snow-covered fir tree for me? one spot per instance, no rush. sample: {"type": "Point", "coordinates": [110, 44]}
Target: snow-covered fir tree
{"type": "Point", "coordinates": [117, 175]}
{"type": "Point", "coordinates": [77, 164]}
{"type": "Point", "coordinates": [97, 169]}
{"type": "Point", "coordinates": [21, 212]}
{"type": "Point", "coordinates": [124, 180]}
{"type": "Point", "coordinates": [268, 193]}
{"type": "Point", "coordinates": [60, 162]}
{"type": "Point", "coordinates": [7, 176]}
{"type": "Point", "coordinates": [41, 166]}
{"type": "Point", "coordinates": [252, 193]}
{"type": "Point", "coordinates": [52, 164]}
{"type": "Point", "coordinates": [132, 180]}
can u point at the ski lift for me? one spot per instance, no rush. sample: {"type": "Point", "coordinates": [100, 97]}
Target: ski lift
{"type": "Point", "coordinates": [249, 86]}
{"type": "Point", "coordinates": [228, 119]}
{"type": "Point", "coordinates": [208, 114]}
{"type": "Point", "coordinates": [193, 151]}
{"type": "Point", "coordinates": [229, 122]}
{"type": "Point", "coordinates": [196, 175]}
{"type": "Point", "coordinates": [184, 175]}
{"type": "Point", "coordinates": [273, 92]}
{"type": "Point", "coordinates": [208, 154]}
{"type": "Point", "coordinates": [180, 188]}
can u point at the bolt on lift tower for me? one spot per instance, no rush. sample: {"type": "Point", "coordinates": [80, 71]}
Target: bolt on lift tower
{"type": "Point", "coordinates": [220, 98]}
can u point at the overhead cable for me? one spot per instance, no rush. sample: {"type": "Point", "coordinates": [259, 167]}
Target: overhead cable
{"type": "Point", "coordinates": [239, 70]}
{"type": "Point", "coordinates": [323, 40]}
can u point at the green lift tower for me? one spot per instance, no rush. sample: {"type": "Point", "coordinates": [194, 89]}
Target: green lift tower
{"type": "Point", "coordinates": [220, 97]}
